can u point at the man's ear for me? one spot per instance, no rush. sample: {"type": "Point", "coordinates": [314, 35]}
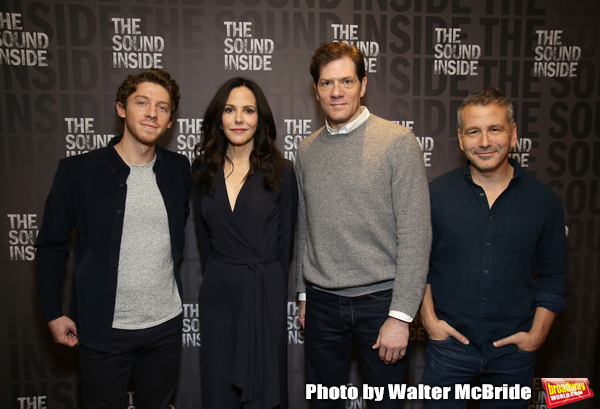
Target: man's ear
{"type": "Point", "coordinates": [120, 109]}
{"type": "Point", "coordinates": [363, 86]}
{"type": "Point", "coordinates": [513, 135]}
{"type": "Point", "coordinates": [460, 140]}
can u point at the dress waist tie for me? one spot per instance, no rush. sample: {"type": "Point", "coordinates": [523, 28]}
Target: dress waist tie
{"type": "Point", "coordinates": [256, 363]}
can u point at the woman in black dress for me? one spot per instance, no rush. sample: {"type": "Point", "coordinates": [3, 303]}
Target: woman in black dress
{"type": "Point", "coordinates": [245, 200]}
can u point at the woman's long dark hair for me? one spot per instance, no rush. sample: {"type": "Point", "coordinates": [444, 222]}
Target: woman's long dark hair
{"type": "Point", "coordinates": [211, 151]}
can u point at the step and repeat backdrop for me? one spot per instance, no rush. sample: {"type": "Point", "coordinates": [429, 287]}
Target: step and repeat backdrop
{"type": "Point", "coordinates": [61, 63]}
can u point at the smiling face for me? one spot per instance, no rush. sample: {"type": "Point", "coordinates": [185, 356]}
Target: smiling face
{"type": "Point", "coordinates": [487, 137]}
{"type": "Point", "coordinates": [147, 114]}
{"type": "Point", "coordinates": [339, 91]}
{"type": "Point", "coordinates": [240, 118]}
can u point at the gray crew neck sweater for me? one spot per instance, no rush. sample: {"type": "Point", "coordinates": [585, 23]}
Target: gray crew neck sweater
{"type": "Point", "coordinates": [364, 221]}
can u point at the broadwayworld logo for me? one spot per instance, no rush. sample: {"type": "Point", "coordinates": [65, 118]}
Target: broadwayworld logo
{"type": "Point", "coordinates": [560, 391]}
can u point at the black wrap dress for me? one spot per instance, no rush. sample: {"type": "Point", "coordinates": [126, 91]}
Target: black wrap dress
{"type": "Point", "coordinates": [245, 254]}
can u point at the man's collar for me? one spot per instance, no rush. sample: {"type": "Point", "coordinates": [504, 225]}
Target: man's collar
{"type": "Point", "coordinates": [349, 127]}
{"type": "Point", "coordinates": [117, 163]}
{"type": "Point", "coordinates": [516, 172]}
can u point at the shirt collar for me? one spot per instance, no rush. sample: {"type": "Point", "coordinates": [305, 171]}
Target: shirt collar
{"type": "Point", "coordinates": [511, 161]}
{"type": "Point", "coordinates": [117, 163]}
{"type": "Point", "coordinates": [349, 127]}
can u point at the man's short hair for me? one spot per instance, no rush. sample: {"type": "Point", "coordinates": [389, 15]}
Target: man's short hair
{"type": "Point", "coordinates": [328, 52]}
{"type": "Point", "coordinates": [488, 95]}
{"type": "Point", "coordinates": [156, 76]}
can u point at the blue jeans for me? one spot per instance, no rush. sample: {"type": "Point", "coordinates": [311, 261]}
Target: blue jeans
{"type": "Point", "coordinates": [447, 364]}
{"type": "Point", "coordinates": [332, 324]}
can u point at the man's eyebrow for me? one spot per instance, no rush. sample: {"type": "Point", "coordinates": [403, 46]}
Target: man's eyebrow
{"type": "Point", "coordinates": [148, 98]}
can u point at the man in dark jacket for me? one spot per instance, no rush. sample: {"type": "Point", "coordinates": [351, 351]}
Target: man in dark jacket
{"type": "Point", "coordinates": [129, 203]}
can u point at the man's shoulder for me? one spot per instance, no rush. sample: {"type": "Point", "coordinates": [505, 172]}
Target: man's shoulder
{"type": "Point", "coordinates": [393, 129]}
{"type": "Point", "coordinates": [83, 169]}
{"type": "Point", "coordinates": [172, 158]}
{"type": "Point", "coordinates": [169, 154]}
{"type": "Point", "coordinates": [380, 133]}
{"type": "Point", "coordinates": [535, 187]}
{"type": "Point", "coordinates": [447, 181]}
{"type": "Point", "coordinates": [306, 143]}
{"type": "Point", "coordinates": [84, 160]}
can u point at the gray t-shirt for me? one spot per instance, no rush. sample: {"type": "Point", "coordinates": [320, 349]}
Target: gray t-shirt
{"type": "Point", "coordinates": [146, 289]}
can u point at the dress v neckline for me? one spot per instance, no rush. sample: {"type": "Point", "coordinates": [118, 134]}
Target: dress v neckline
{"type": "Point", "coordinates": [235, 203]}
{"type": "Point", "coordinates": [247, 189]}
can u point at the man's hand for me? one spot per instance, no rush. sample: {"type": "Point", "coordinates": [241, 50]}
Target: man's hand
{"type": "Point", "coordinates": [524, 340]}
{"type": "Point", "coordinates": [532, 340]}
{"type": "Point", "coordinates": [64, 331]}
{"type": "Point", "coordinates": [392, 340]}
{"type": "Point", "coordinates": [302, 306]}
{"type": "Point", "coordinates": [439, 330]}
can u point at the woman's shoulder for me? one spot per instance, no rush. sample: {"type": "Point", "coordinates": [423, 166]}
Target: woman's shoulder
{"type": "Point", "coordinates": [288, 164]}
{"type": "Point", "coordinates": [199, 165]}
{"type": "Point", "coordinates": [288, 168]}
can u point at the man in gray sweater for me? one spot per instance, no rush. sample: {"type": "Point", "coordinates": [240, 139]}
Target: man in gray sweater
{"type": "Point", "coordinates": [364, 233]}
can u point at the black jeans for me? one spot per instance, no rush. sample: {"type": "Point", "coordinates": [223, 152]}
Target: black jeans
{"type": "Point", "coordinates": [150, 357]}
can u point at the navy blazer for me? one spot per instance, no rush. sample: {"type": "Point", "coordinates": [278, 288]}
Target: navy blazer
{"type": "Point", "coordinates": [88, 193]}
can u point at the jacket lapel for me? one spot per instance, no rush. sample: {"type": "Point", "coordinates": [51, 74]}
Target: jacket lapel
{"type": "Point", "coordinates": [220, 195]}
{"type": "Point", "coordinates": [249, 187]}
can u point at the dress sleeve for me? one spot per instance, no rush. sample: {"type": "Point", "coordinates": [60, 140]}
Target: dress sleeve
{"type": "Point", "coordinates": [204, 243]}
{"type": "Point", "coordinates": [52, 244]}
{"type": "Point", "coordinates": [302, 230]}
{"type": "Point", "coordinates": [188, 188]}
{"type": "Point", "coordinates": [288, 208]}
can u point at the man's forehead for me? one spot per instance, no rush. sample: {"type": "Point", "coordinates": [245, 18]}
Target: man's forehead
{"type": "Point", "coordinates": [483, 111]}
{"type": "Point", "coordinates": [340, 68]}
{"type": "Point", "coordinates": [142, 91]}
